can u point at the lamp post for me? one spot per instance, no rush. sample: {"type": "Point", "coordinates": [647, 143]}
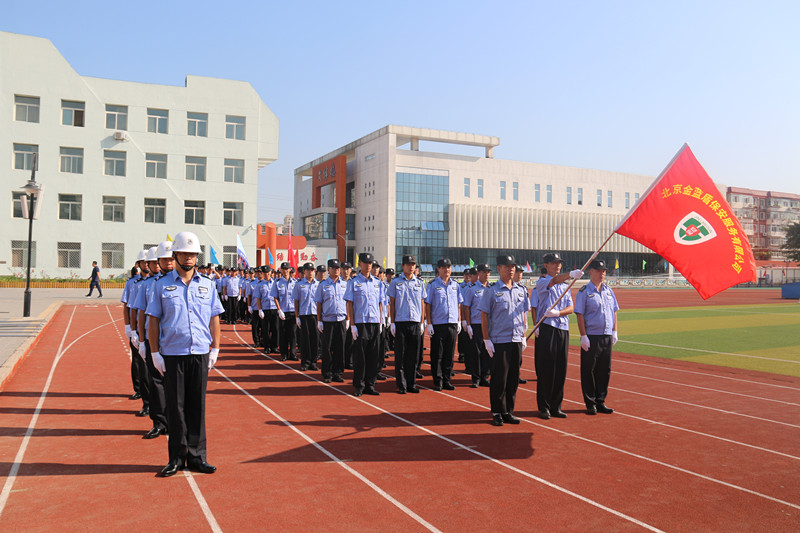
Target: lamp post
{"type": "Point", "coordinates": [344, 238]}
{"type": "Point", "coordinates": [31, 190]}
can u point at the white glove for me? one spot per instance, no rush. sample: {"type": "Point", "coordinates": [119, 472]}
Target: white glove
{"type": "Point", "coordinates": [489, 347]}
{"type": "Point", "coordinates": [552, 313]}
{"type": "Point", "coordinates": [458, 328]}
{"type": "Point", "coordinates": [281, 315]}
{"type": "Point", "coordinates": [143, 350]}
{"type": "Point", "coordinates": [354, 331]}
{"type": "Point", "coordinates": [614, 337]}
{"type": "Point", "coordinates": [380, 327]}
{"type": "Point", "coordinates": [134, 338]}
{"type": "Point", "coordinates": [585, 343]}
{"type": "Point", "coordinates": [212, 357]}
{"type": "Point", "coordinates": [469, 331]}
{"type": "Point", "coordinates": [576, 274]}
{"type": "Point", "coordinates": [393, 329]}
{"type": "Point", "coordinates": [388, 320]}
{"type": "Point", "coordinates": [346, 324]}
{"type": "Point", "coordinates": [421, 328]}
{"type": "Point", "coordinates": [297, 321]}
{"type": "Point", "coordinates": [464, 324]}
{"type": "Point", "coordinates": [238, 297]}
{"type": "Point", "coordinates": [429, 330]}
{"type": "Point", "coordinates": [321, 326]}
{"type": "Point", "coordinates": [158, 362]}
{"type": "Point", "coordinates": [224, 297]}
{"type": "Point", "coordinates": [128, 330]}
{"type": "Point", "coordinates": [260, 313]}
{"type": "Point", "coordinates": [536, 333]}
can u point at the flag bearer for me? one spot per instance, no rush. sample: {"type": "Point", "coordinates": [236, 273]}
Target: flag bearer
{"type": "Point", "coordinates": [406, 297]}
{"type": "Point", "coordinates": [331, 322]}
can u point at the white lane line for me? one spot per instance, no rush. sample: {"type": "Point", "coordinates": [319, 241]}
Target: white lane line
{"type": "Point", "coordinates": [712, 351]}
{"type": "Point", "coordinates": [203, 504]}
{"type": "Point", "coordinates": [462, 446]}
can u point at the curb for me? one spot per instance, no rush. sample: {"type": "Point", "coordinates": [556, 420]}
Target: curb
{"type": "Point", "coordinates": [10, 366]}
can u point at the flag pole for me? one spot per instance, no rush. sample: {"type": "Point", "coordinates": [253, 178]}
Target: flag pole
{"type": "Point", "coordinates": [571, 283]}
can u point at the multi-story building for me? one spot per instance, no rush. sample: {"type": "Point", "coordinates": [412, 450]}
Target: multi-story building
{"type": "Point", "coordinates": [124, 164]}
{"type": "Point", "coordinates": [383, 195]}
{"type": "Point", "coordinates": [764, 216]}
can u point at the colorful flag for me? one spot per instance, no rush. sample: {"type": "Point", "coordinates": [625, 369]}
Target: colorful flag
{"type": "Point", "coordinates": [471, 263]}
{"type": "Point", "coordinates": [169, 238]}
{"type": "Point", "coordinates": [292, 261]}
{"type": "Point", "coordinates": [528, 267]}
{"type": "Point", "coordinates": [644, 264]}
{"type": "Point", "coordinates": [214, 259]}
{"type": "Point", "coordinates": [271, 259]}
{"type": "Point", "coordinates": [685, 219]}
{"type": "Point", "coordinates": [356, 265]}
{"type": "Point", "coordinates": [384, 261]}
{"type": "Point", "coordinates": [616, 264]}
{"type": "Point", "coordinates": [240, 252]}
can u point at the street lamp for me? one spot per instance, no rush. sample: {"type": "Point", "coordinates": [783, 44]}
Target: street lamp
{"type": "Point", "coordinates": [32, 191]}
{"type": "Point", "coordinates": [344, 238]}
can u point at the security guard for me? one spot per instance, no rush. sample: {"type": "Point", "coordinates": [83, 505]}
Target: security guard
{"type": "Point", "coordinates": [133, 318]}
{"type": "Point", "coordinates": [519, 270]}
{"type": "Point", "coordinates": [389, 335]}
{"type": "Point", "coordinates": [377, 272]}
{"type": "Point", "coordinates": [231, 296]}
{"type": "Point", "coordinates": [364, 296]}
{"type": "Point", "coordinates": [347, 269]}
{"type": "Point", "coordinates": [596, 308]}
{"type": "Point", "coordinates": [268, 312]}
{"type": "Point", "coordinates": [321, 273]}
{"type": "Point", "coordinates": [184, 324]}
{"type": "Point", "coordinates": [406, 296]}
{"type": "Point", "coordinates": [126, 315]}
{"type": "Point", "coordinates": [252, 299]}
{"type": "Point", "coordinates": [442, 302]}
{"type": "Point", "coordinates": [332, 322]}
{"type": "Point", "coordinates": [463, 339]}
{"type": "Point", "coordinates": [306, 313]}
{"type": "Point", "coordinates": [281, 293]}
{"type": "Point", "coordinates": [552, 342]}
{"type": "Point", "coordinates": [478, 360]}
{"type": "Point", "coordinates": [504, 311]}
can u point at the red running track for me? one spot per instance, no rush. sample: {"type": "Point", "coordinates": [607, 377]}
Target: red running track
{"type": "Point", "coordinates": [691, 447]}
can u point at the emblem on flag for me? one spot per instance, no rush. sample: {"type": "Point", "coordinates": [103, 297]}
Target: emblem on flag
{"type": "Point", "coordinates": [693, 229]}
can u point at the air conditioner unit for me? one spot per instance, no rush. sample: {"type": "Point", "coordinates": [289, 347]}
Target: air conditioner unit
{"type": "Point", "coordinates": [120, 136]}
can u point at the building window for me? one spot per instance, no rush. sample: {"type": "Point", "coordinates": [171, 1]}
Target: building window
{"type": "Point", "coordinates": [116, 117]}
{"type": "Point", "coordinates": [636, 197]}
{"type": "Point", "coordinates": [502, 190]}
{"type": "Point", "coordinates": [580, 195]}
{"type": "Point", "coordinates": [232, 213]}
{"type": "Point", "coordinates": [155, 210]}
{"type": "Point", "coordinates": [69, 206]}
{"type": "Point", "coordinates": [26, 108]}
{"type": "Point", "coordinates": [627, 200]}
{"type": "Point", "coordinates": [197, 124]}
{"type": "Point", "coordinates": [114, 163]}
{"type": "Point", "coordinates": [194, 212]}
{"type": "Point", "coordinates": [156, 166]}
{"type": "Point", "coordinates": [466, 187]}
{"type": "Point", "coordinates": [569, 195]}
{"type": "Point", "coordinates": [114, 208]}
{"type": "Point", "coordinates": [537, 193]}
{"type": "Point", "coordinates": [19, 254]}
{"type": "Point", "coordinates": [195, 168]}
{"type": "Point", "coordinates": [515, 191]}
{"type": "Point", "coordinates": [610, 199]}
{"type": "Point", "coordinates": [113, 255]}
{"type": "Point", "coordinates": [72, 113]}
{"type": "Point", "coordinates": [72, 160]}
{"type": "Point", "coordinates": [549, 191]}
{"type": "Point", "coordinates": [480, 188]}
{"type": "Point", "coordinates": [229, 256]}
{"type": "Point", "coordinates": [69, 255]}
{"type": "Point", "coordinates": [234, 127]}
{"type": "Point", "coordinates": [234, 170]}
{"type": "Point", "coordinates": [16, 203]}
{"type": "Point", "coordinates": [23, 155]}
{"type": "Point", "coordinates": [599, 198]}
{"type": "Point", "coordinates": [157, 120]}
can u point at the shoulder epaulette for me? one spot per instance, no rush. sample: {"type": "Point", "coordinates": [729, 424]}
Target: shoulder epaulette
{"type": "Point", "coordinates": [582, 288]}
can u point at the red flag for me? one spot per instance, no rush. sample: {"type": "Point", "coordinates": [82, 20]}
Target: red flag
{"type": "Point", "coordinates": [685, 219]}
{"type": "Point", "coordinates": [292, 262]}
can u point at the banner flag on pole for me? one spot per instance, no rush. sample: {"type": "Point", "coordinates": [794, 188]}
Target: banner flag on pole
{"type": "Point", "coordinates": [292, 262]}
{"type": "Point", "coordinates": [644, 264]}
{"type": "Point", "coordinates": [169, 238]}
{"type": "Point", "coordinates": [214, 259]}
{"type": "Point", "coordinates": [616, 264]}
{"type": "Point", "coordinates": [240, 252]}
{"type": "Point", "coordinates": [685, 219]}
{"type": "Point", "coordinates": [269, 253]}
{"type": "Point", "coordinates": [356, 265]}
{"type": "Point", "coordinates": [528, 267]}
{"type": "Point", "coordinates": [471, 263]}
{"type": "Point", "coordinates": [384, 261]}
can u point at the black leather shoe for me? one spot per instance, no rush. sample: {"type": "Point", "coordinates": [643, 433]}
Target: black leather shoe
{"type": "Point", "coordinates": [508, 418]}
{"type": "Point", "coordinates": [200, 466]}
{"type": "Point", "coordinates": [338, 379]}
{"type": "Point", "coordinates": [448, 386]}
{"type": "Point", "coordinates": [603, 409]}
{"type": "Point", "coordinates": [144, 412]}
{"type": "Point", "coordinates": [591, 410]}
{"type": "Point", "coordinates": [413, 390]}
{"type": "Point", "coordinates": [380, 377]}
{"type": "Point", "coordinates": [484, 383]}
{"type": "Point", "coordinates": [497, 420]}
{"type": "Point", "coordinates": [418, 375]}
{"type": "Point", "coordinates": [327, 379]}
{"type": "Point", "coordinates": [154, 433]}
{"type": "Point", "coordinates": [172, 468]}
{"type": "Point", "coordinates": [522, 381]}
{"type": "Point", "coordinates": [371, 391]}
{"type": "Point", "coordinates": [134, 396]}
{"type": "Point", "coordinates": [313, 367]}
{"type": "Point", "coordinates": [348, 367]}
{"type": "Point", "coordinates": [559, 414]}
{"type": "Point", "coordinates": [437, 388]}
{"type": "Point", "coordinates": [401, 391]}
{"type": "Point", "coordinates": [358, 392]}
{"type": "Point", "coordinates": [474, 386]}
{"type": "Point", "coordinates": [544, 414]}
{"type": "Point", "coordinates": [303, 368]}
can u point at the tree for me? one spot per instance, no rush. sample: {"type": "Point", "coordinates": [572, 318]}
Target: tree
{"type": "Point", "coordinates": [792, 244]}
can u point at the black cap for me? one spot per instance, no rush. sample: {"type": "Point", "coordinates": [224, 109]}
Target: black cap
{"type": "Point", "coordinates": [473, 271]}
{"type": "Point", "coordinates": [598, 264]}
{"type": "Point", "coordinates": [265, 269]}
{"type": "Point", "coordinates": [520, 267]}
{"type": "Point", "coordinates": [443, 262]}
{"type": "Point", "coordinates": [553, 257]}
{"type": "Point", "coordinates": [346, 265]}
{"type": "Point", "coordinates": [409, 260]}
{"type": "Point", "coordinates": [505, 260]}
{"type": "Point", "coordinates": [482, 267]}
{"type": "Point", "coordinates": [365, 257]}
{"type": "Point", "coordinates": [307, 266]}
{"type": "Point", "coordinates": [321, 268]}
{"type": "Point", "coordinates": [466, 271]}
{"type": "Point", "coordinates": [285, 265]}
{"type": "Point", "coordinates": [390, 271]}
{"type": "Point", "coordinates": [333, 263]}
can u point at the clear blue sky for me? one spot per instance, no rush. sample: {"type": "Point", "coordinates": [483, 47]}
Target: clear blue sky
{"type": "Point", "coordinates": [613, 85]}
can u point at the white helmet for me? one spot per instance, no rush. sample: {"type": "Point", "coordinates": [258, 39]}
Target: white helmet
{"type": "Point", "coordinates": [186, 241]}
{"type": "Point", "coordinates": [151, 253]}
{"type": "Point", "coordinates": [142, 256]}
{"type": "Point", "coordinates": [164, 250]}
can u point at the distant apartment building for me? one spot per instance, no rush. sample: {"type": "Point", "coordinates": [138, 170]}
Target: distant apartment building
{"type": "Point", "coordinates": [764, 216]}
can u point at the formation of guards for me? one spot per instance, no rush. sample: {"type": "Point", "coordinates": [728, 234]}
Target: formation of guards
{"type": "Point", "coordinates": [349, 320]}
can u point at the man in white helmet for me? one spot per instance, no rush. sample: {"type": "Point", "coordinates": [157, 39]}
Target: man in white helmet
{"type": "Point", "coordinates": [133, 320]}
{"type": "Point", "coordinates": [184, 314]}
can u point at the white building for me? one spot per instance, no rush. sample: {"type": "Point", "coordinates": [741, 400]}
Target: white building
{"type": "Point", "coordinates": [124, 164]}
{"type": "Point", "coordinates": [401, 200]}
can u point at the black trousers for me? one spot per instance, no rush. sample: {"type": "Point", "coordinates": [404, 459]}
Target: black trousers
{"type": "Point", "coordinates": [224, 315]}
{"type": "Point", "coordinates": [255, 327]}
{"type": "Point", "coordinates": [407, 339]}
{"type": "Point", "coordinates": [309, 342]}
{"type": "Point", "coordinates": [95, 283]}
{"type": "Point", "coordinates": [333, 340]}
{"type": "Point", "coordinates": [158, 400]}
{"type": "Point", "coordinates": [231, 309]}
{"type": "Point", "coordinates": [185, 383]}
{"type": "Point", "coordinates": [551, 367]}
{"type": "Point", "coordinates": [365, 356]}
{"type": "Point", "coordinates": [478, 360]}
{"type": "Point", "coordinates": [139, 376]}
{"type": "Point", "coordinates": [348, 348]}
{"type": "Point", "coordinates": [505, 377]}
{"type": "Point", "coordinates": [596, 370]}
{"type": "Point", "coordinates": [443, 345]}
{"type": "Point", "coordinates": [382, 344]}
{"type": "Point", "coordinates": [288, 336]}
{"type": "Point", "coordinates": [270, 333]}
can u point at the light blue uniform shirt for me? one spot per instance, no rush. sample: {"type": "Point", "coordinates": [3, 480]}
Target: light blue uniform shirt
{"type": "Point", "coordinates": [218, 283]}
{"type": "Point", "coordinates": [507, 310]}
{"type": "Point", "coordinates": [263, 292]}
{"type": "Point", "coordinates": [444, 301]}
{"type": "Point", "coordinates": [185, 313]}
{"type": "Point", "coordinates": [546, 296]}
{"type": "Point", "coordinates": [252, 291]}
{"type": "Point", "coordinates": [597, 307]}
{"type": "Point", "coordinates": [133, 293]}
{"type": "Point", "coordinates": [472, 297]}
{"type": "Point", "coordinates": [330, 295]}
{"type": "Point", "coordinates": [283, 290]}
{"type": "Point", "coordinates": [304, 292]}
{"type": "Point", "coordinates": [231, 286]}
{"type": "Point", "coordinates": [126, 291]}
{"type": "Point", "coordinates": [408, 296]}
{"type": "Point", "coordinates": [143, 298]}
{"type": "Point", "coordinates": [367, 294]}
